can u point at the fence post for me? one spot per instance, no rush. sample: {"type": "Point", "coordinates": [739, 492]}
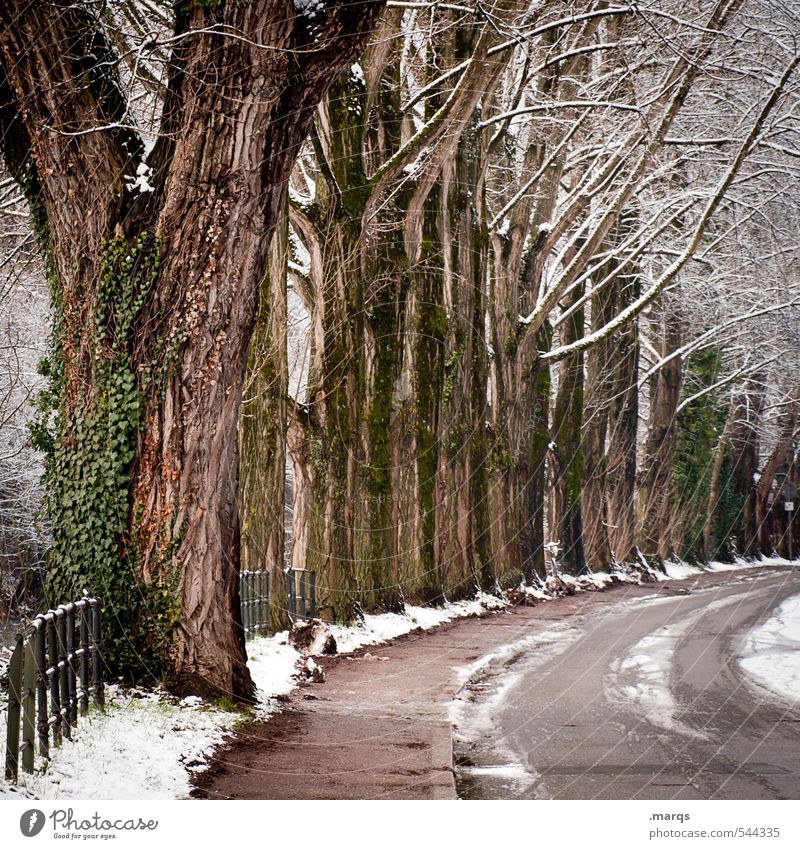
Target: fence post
{"type": "Point", "coordinates": [243, 602]}
{"type": "Point", "coordinates": [303, 606]}
{"type": "Point", "coordinates": [71, 676]}
{"type": "Point", "coordinates": [14, 705]}
{"type": "Point", "coordinates": [258, 585]}
{"type": "Point", "coordinates": [63, 673]}
{"type": "Point", "coordinates": [29, 703]}
{"type": "Point", "coordinates": [52, 673]}
{"type": "Point", "coordinates": [41, 689]}
{"type": "Point", "coordinates": [312, 593]}
{"type": "Point", "coordinates": [97, 667]}
{"type": "Point", "coordinates": [84, 695]}
{"type": "Point", "coordinates": [266, 594]}
{"type": "Point", "coordinates": [291, 594]}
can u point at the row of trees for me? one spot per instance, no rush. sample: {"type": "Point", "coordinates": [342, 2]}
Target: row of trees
{"type": "Point", "coordinates": [487, 205]}
{"type": "Point", "coordinates": [499, 282]}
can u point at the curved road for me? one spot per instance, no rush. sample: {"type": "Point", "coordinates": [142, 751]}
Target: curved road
{"type": "Point", "coordinates": [643, 700]}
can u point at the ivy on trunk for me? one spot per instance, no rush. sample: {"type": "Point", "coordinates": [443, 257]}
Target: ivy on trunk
{"type": "Point", "coordinates": [155, 296]}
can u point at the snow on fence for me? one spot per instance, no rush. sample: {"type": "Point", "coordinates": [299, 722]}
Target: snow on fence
{"type": "Point", "coordinates": [301, 602]}
{"type": "Point", "coordinates": [57, 656]}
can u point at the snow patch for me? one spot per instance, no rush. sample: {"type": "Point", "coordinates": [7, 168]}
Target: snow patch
{"type": "Point", "coordinates": [309, 8]}
{"type": "Point", "coordinates": [357, 73]}
{"type": "Point", "coordinates": [640, 678]}
{"type": "Point", "coordinates": [141, 183]}
{"type": "Point", "coordinates": [485, 685]}
{"type": "Point", "coordinates": [770, 656]}
{"type": "Point", "coordinates": [388, 626]}
{"type": "Point", "coordinates": [678, 570]}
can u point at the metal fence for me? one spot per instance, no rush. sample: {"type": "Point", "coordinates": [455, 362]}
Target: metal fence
{"type": "Point", "coordinates": [254, 594]}
{"type": "Point", "coordinates": [55, 667]}
{"type": "Point", "coordinates": [301, 593]}
{"type": "Point", "coordinates": [301, 602]}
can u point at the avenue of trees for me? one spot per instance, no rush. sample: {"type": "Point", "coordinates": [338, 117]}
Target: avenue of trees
{"type": "Point", "coordinates": [427, 297]}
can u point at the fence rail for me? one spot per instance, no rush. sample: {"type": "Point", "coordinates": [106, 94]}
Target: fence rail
{"type": "Point", "coordinates": [55, 667]}
{"type": "Point", "coordinates": [301, 602]}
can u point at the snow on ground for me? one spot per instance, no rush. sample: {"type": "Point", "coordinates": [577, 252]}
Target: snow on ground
{"type": "Point", "coordinates": [147, 744]}
{"type": "Point", "coordinates": [770, 656]}
{"type": "Point", "coordinates": [678, 571]}
{"type": "Point", "coordinates": [144, 746]}
{"type": "Point", "coordinates": [716, 566]}
{"type": "Point", "coordinates": [474, 711]}
{"type": "Point", "coordinates": [641, 677]}
{"type": "Point", "coordinates": [387, 626]}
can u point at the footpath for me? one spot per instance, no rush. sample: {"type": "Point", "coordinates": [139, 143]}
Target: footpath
{"type": "Point", "coordinates": [378, 727]}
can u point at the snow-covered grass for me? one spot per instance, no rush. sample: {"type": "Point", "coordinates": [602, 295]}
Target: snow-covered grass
{"type": "Point", "coordinates": [148, 744]}
{"type": "Point", "coordinates": [770, 656]}
{"type": "Point", "coordinates": [144, 746]}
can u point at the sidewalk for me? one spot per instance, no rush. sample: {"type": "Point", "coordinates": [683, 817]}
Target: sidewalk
{"type": "Point", "coordinates": [378, 727]}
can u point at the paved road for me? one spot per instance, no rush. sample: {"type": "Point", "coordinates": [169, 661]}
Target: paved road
{"type": "Point", "coordinates": [641, 700]}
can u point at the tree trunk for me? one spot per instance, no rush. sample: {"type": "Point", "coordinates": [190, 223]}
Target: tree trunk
{"type": "Point", "coordinates": [653, 500]}
{"type": "Point", "coordinates": [623, 422]}
{"type": "Point", "coordinates": [782, 454]}
{"type": "Point", "coordinates": [262, 427]}
{"type": "Point", "coordinates": [599, 392]}
{"type": "Point", "coordinates": [712, 545]}
{"type": "Point", "coordinates": [156, 296]}
{"type": "Point", "coordinates": [744, 442]}
{"type": "Point", "coordinates": [565, 461]}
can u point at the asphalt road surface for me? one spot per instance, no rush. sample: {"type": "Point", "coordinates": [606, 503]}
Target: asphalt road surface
{"type": "Point", "coordinates": [643, 700]}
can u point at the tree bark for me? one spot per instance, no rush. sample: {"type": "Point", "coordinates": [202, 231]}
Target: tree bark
{"type": "Point", "coordinates": [782, 454]}
{"type": "Point", "coordinates": [164, 314]}
{"type": "Point", "coordinates": [565, 460]}
{"type": "Point", "coordinates": [655, 487]}
{"type": "Point", "coordinates": [262, 426]}
{"type": "Point", "coordinates": [744, 442]}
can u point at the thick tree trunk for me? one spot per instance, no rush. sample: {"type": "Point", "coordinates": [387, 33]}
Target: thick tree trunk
{"type": "Point", "coordinates": [623, 422]}
{"type": "Point", "coordinates": [782, 454]}
{"type": "Point", "coordinates": [712, 543]}
{"type": "Point", "coordinates": [655, 487]}
{"type": "Point", "coordinates": [520, 388]}
{"type": "Point", "coordinates": [262, 428]}
{"type": "Point", "coordinates": [599, 392]}
{"type": "Point", "coordinates": [744, 442]}
{"type": "Point", "coordinates": [156, 295]}
{"type": "Point", "coordinates": [334, 399]}
{"type": "Point", "coordinates": [565, 460]}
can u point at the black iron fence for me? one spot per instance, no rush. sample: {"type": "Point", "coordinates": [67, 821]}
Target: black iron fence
{"type": "Point", "coordinates": [301, 602]}
{"type": "Point", "coordinates": [55, 667]}
{"type": "Point", "coordinates": [254, 593]}
{"type": "Point", "coordinates": [301, 593]}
